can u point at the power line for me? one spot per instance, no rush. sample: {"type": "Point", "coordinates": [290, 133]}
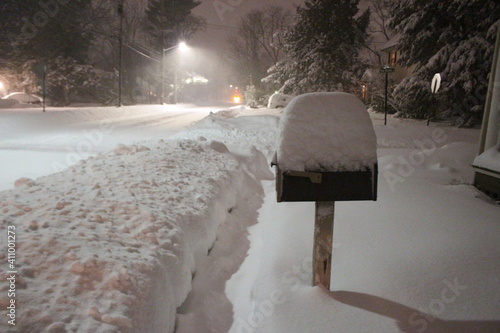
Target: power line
{"type": "Point", "coordinates": [144, 48]}
{"type": "Point", "coordinates": [221, 27]}
{"type": "Point", "coordinates": [141, 53]}
{"type": "Point", "coordinates": [98, 32]}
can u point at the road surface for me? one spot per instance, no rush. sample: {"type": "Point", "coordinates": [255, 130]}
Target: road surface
{"type": "Point", "coordinates": [34, 144]}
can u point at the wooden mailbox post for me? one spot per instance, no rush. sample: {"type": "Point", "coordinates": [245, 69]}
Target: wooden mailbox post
{"type": "Point", "coordinates": [340, 164]}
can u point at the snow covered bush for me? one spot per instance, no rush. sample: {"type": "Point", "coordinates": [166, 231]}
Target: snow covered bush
{"type": "Point", "coordinates": [378, 103]}
{"type": "Point", "coordinates": [69, 82]}
{"type": "Point", "coordinates": [412, 98]}
{"type": "Point", "coordinates": [66, 81]}
{"type": "Point", "coordinates": [255, 97]}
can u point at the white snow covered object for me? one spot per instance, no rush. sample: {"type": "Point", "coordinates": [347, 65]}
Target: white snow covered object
{"type": "Point", "coordinates": [326, 150]}
{"type": "Point", "coordinates": [277, 101]}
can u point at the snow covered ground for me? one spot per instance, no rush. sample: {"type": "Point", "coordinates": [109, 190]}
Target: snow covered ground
{"type": "Point", "coordinates": [61, 137]}
{"type": "Point", "coordinates": [111, 243]}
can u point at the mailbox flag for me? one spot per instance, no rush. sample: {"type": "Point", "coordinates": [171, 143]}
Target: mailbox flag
{"type": "Point", "coordinates": [436, 83]}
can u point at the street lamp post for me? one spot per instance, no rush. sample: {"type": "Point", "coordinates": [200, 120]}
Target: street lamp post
{"type": "Point", "coordinates": [175, 85]}
{"type": "Point", "coordinates": [183, 47]}
{"type": "Point", "coordinates": [386, 69]}
{"type": "Point", "coordinates": [162, 77]}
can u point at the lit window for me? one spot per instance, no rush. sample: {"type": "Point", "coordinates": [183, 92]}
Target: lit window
{"type": "Point", "coordinates": [393, 58]}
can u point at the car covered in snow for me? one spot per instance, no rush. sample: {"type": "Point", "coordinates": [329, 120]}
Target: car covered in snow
{"type": "Point", "coordinates": [279, 100]}
{"type": "Point", "coordinates": [24, 98]}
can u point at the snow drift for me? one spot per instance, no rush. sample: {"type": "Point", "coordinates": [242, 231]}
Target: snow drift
{"type": "Point", "coordinates": [110, 244]}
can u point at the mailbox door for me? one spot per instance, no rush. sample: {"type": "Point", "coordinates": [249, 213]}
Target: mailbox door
{"type": "Point", "coordinates": [333, 186]}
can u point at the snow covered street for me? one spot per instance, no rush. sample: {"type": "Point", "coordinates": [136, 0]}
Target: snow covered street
{"type": "Point", "coordinates": [172, 224]}
{"type": "Point", "coordinates": [61, 137]}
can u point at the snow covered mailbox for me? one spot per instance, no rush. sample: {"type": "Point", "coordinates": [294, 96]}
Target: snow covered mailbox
{"type": "Point", "coordinates": [326, 150]}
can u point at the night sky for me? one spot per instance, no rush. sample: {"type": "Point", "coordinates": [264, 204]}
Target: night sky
{"type": "Point", "coordinates": [221, 22]}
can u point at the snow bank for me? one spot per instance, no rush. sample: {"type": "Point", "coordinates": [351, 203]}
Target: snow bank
{"type": "Point", "coordinates": [326, 132]}
{"type": "Point", "coordinates": [110, 244]}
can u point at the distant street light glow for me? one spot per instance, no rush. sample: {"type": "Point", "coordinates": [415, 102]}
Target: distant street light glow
{"type": "Point", "coordinates": [183, 46]}
{"type": "Point", "coordinates": [3, 89]}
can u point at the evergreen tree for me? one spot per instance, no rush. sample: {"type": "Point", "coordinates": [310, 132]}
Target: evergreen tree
{"type": "Point", "coordinates": [56, 35]}
{"type": "Point", "coordinates": [323, 48]}
{"type": "Point", "coordinates": [43, 30]}
{"type": "Point", "coordinates": [454, 38]}
{"type": "Point", "coordinates": [170, 21]}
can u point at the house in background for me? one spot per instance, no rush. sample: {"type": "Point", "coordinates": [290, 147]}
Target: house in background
{"type": "Point", "coordinates": [487, 163]}
{"type": "Point", "coordinates": [392, 55]}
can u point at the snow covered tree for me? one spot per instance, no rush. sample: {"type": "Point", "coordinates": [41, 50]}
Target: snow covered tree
{"type": "Point", "coordinates": [378, 29]}
{"type": "Point", "coordinates": [323, 48]}
{"type": "Point", "coordinates": [170, 21]}
{"type": "Point", "coordinates": [68, 82]}
{"type": "Point", "coordinates": [258, 44]}
{"type": "Point", "coordinates": [378, 34]}
{"type": "Point", "coordinates": [33, 29]}
{"type": "Point", "coordinates": [57, 34]}
{"type": "Point", "coordinates": [451, 37]}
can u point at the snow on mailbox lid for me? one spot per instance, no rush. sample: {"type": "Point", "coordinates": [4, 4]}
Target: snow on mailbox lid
{"type": "Point", "coordinates": [326, 132]}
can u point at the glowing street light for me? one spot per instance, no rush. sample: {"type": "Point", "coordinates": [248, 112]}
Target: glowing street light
{"type": "Point", "coordinates": [183, 46]}
{"type": "Point", "coordinates": [3, 89]}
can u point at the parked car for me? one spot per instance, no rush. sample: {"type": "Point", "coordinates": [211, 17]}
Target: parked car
{"type": "Point", "coordinates": [278, 100]}
{"type": "Point", "coordinates": [24, 98]}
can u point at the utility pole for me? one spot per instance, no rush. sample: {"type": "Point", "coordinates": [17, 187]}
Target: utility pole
{"type": "Point", "coordinates": [162, 78]}
{"type": "Point", "coordinates": [162, 74]}
{"type": "Point", "coordinates": [44, 86]}
{"type": "Point", "coordinates": [120, 60]}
